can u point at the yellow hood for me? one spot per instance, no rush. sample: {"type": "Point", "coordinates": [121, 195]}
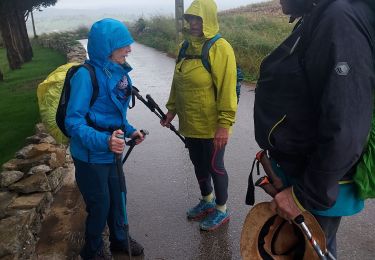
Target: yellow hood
{"type": "Point", "coordinates": [207, 10]}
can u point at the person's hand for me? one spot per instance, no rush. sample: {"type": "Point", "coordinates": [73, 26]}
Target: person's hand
{"type": "Point", "coordinates": [284, 205]}
{"type": "Point", "coordinates": [168, 118]}
{"type": "Point", "coordinates": [221, 137]}
{"type": "Point", "coordinates": [138, 137]}
{"type": "Point", "coordinates": [115, 144]}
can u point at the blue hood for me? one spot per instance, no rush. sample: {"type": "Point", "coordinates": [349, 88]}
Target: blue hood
{"type": "Point", "coordinates": [106, 36]}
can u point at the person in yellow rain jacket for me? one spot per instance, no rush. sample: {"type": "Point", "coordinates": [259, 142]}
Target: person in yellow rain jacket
{"type": "Point", "coordinates": [206, 105]}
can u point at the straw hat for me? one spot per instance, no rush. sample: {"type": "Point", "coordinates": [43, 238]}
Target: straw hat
{"type": "Point", "coordinates": [265, 235]}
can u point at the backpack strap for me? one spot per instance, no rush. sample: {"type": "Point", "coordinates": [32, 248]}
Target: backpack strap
{"type": "Point", "coordinates": [182, 52]}
{"type": "Point", "coordinates": [95, 93]}
{"type": "Point", "coordinates": [206, 49]}
{"type": "Point", "coordinates": [94, 82]}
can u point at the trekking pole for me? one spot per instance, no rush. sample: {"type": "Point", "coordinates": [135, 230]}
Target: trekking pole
{"type": "Point", "coordinates": [156, 110]}
{"type": "Point", "coordinates": [132, 143]}
{"type": "Point", "coordinates": [121, 176]}
{"type": "Point", "coordinates": [322, 255]}
{"type": "Point", "coordinates": [156, 106]}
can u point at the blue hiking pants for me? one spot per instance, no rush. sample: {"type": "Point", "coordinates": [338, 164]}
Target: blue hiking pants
{"type": "Point", "coordinates": [100, 188]}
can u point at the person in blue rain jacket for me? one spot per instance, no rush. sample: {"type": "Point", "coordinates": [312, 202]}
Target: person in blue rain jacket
{"type": "Point", "coordinates": [93, 131]}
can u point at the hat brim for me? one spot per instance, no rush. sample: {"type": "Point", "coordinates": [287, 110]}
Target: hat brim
{"type": "Point", "coordinates": [256, 219]}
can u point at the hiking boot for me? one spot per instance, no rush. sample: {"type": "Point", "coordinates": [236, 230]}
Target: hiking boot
{"type": "Point", "coordinates": [214, 220]}
{"type": "Point", "coordinates": [135, 247]}
{"type": "Point", "coordinates": [100, 255]}
{"type": "Point", "coordinates": [201, 209]}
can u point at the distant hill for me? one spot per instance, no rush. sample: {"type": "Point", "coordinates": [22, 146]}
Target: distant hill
{"type": "Point", "coordinates": [267, 8]}
{"type": "Point", "coordinates": [57, 20]}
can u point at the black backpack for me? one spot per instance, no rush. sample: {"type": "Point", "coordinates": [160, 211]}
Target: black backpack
{"type": "Point", "coordinates": [65, 95]}
{"type": "Point", "coordinates": [205, 60]}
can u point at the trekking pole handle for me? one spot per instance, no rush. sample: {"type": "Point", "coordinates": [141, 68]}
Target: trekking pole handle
{"type": "Point", "coordinates": [156, 106]}
{"type": "Point", "coordinates": [145, 102]}
{"type": "Point", "coordinates": [267, 166]}
{"type": "Point", "coordinates": [266, 185]}
{"type": "Point", "coordinates": [119, 136]}
{"type": "Point", "coordinates": [171, 126]}
{"type": "Point", "coordinates": [131, 142]}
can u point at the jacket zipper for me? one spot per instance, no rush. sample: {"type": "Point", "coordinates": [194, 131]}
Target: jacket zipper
{"type": "Point", "coordinates": [273, 129]}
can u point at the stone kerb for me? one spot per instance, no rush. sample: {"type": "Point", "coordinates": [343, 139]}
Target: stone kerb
{"type": "Point", "coordinates": [27, 185]}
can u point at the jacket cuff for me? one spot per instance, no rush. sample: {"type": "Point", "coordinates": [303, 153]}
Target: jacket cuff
{"type": "Point", "coordinates": [297, 201]}
{"type": "Point", "coordinates": [171, 108]}
{"type": "Point", "coordinates": [224, 123]}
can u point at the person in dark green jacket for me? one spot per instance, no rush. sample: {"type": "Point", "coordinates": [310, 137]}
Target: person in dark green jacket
{"type": "Point", "coordinates": [206, 105]}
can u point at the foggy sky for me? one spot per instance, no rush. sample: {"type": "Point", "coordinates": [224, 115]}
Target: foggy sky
{"type": "Point", "coordinates": [131, 4]}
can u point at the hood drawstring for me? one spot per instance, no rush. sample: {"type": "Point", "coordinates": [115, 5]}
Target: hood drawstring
{"type": "Point", "coordinates": [107, 72]}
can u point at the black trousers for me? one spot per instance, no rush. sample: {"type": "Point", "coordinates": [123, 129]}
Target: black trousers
{"type": "Point", "coordinates": [209, 165]}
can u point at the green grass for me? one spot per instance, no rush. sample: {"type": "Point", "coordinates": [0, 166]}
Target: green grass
{"type": "Point", "coordinates": [158, 32]}
{"type": "Point", "coordinates": [252, 35]}
{"type": "Point", "coordinates": [18, 102]}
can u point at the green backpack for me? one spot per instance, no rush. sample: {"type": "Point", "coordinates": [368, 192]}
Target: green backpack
{"type": "Point", "coordinates": [364, 178]}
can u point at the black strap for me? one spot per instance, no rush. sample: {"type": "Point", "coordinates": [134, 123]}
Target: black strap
{"type": "Point", "coordinates": [204, 57]}
{"type": "Point", "coordinates": [94, 82]}
{"type": "Point", "coordinates": [193, 57]}
{"type": "Point", "coordinates": [132, 101]}
{"type": "Point", "coordinates": [182, 52]}
{"type": "Point", "coordinates": [206, 49]}
{"type": "Point", "coordinates": [95, 93]}
{"type": "Point", "coordinates": [98, 128]}
{"type": "Point", "coordinates": [250, 194]}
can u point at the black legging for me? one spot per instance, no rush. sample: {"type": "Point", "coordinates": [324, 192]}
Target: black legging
{"type": "Point", "coordinates": [209, 163]}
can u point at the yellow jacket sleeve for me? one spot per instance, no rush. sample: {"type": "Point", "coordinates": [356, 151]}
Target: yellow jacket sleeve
{"type": "Point", "coordinates": [171, 104]}
{"type": "Point", "coordinates": [224, 76]}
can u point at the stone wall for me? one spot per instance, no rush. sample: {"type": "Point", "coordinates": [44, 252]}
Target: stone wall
{"type": "Point", "coordinates": [27, 185]}
{"type": "Point", "coordinates": [29, 181]}
{"type": "Point", "coordinates": [65, 43]}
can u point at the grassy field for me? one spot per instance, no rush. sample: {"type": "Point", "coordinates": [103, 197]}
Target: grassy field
{"type": "Point", "coordinates": [18, 102]}
{"type": "Point", "coordinates": [254, 31]}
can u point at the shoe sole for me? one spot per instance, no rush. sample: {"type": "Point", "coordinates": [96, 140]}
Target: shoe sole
{"type": "Point", "coordinates": [201, 215]}
{"type": "Point", "coordinates": [125, 252]}
{"type": "Point", "coordinates": [226, 220]}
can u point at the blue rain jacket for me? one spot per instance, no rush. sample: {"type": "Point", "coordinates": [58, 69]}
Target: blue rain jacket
{"type": "Point", "coordinates": [109, 110]}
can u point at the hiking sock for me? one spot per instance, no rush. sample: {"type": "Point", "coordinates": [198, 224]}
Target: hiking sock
{"type": "Point", "coordinates": [209, 197]}
{"type": "Point", "coordinates": [222, 208]}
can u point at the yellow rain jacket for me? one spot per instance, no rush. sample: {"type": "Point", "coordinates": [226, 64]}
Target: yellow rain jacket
{"type": "Point", "coordinates": [205, 101]}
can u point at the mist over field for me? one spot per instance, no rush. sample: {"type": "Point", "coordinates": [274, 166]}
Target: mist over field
{"type": "Point", "coordinates": [69, 14]}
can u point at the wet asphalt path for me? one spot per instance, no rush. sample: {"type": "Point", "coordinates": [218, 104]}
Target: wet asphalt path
{"type": "Point", "coordinates": [162, 186]}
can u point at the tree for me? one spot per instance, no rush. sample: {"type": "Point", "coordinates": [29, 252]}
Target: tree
{"type": "Point", "coordinates": [13, 15]}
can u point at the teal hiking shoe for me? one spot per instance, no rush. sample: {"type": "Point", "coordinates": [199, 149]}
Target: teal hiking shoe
{"type": "Point", "coordinates": [201, 209]}
{"type": "Point", "coordinates": [214, 220]}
